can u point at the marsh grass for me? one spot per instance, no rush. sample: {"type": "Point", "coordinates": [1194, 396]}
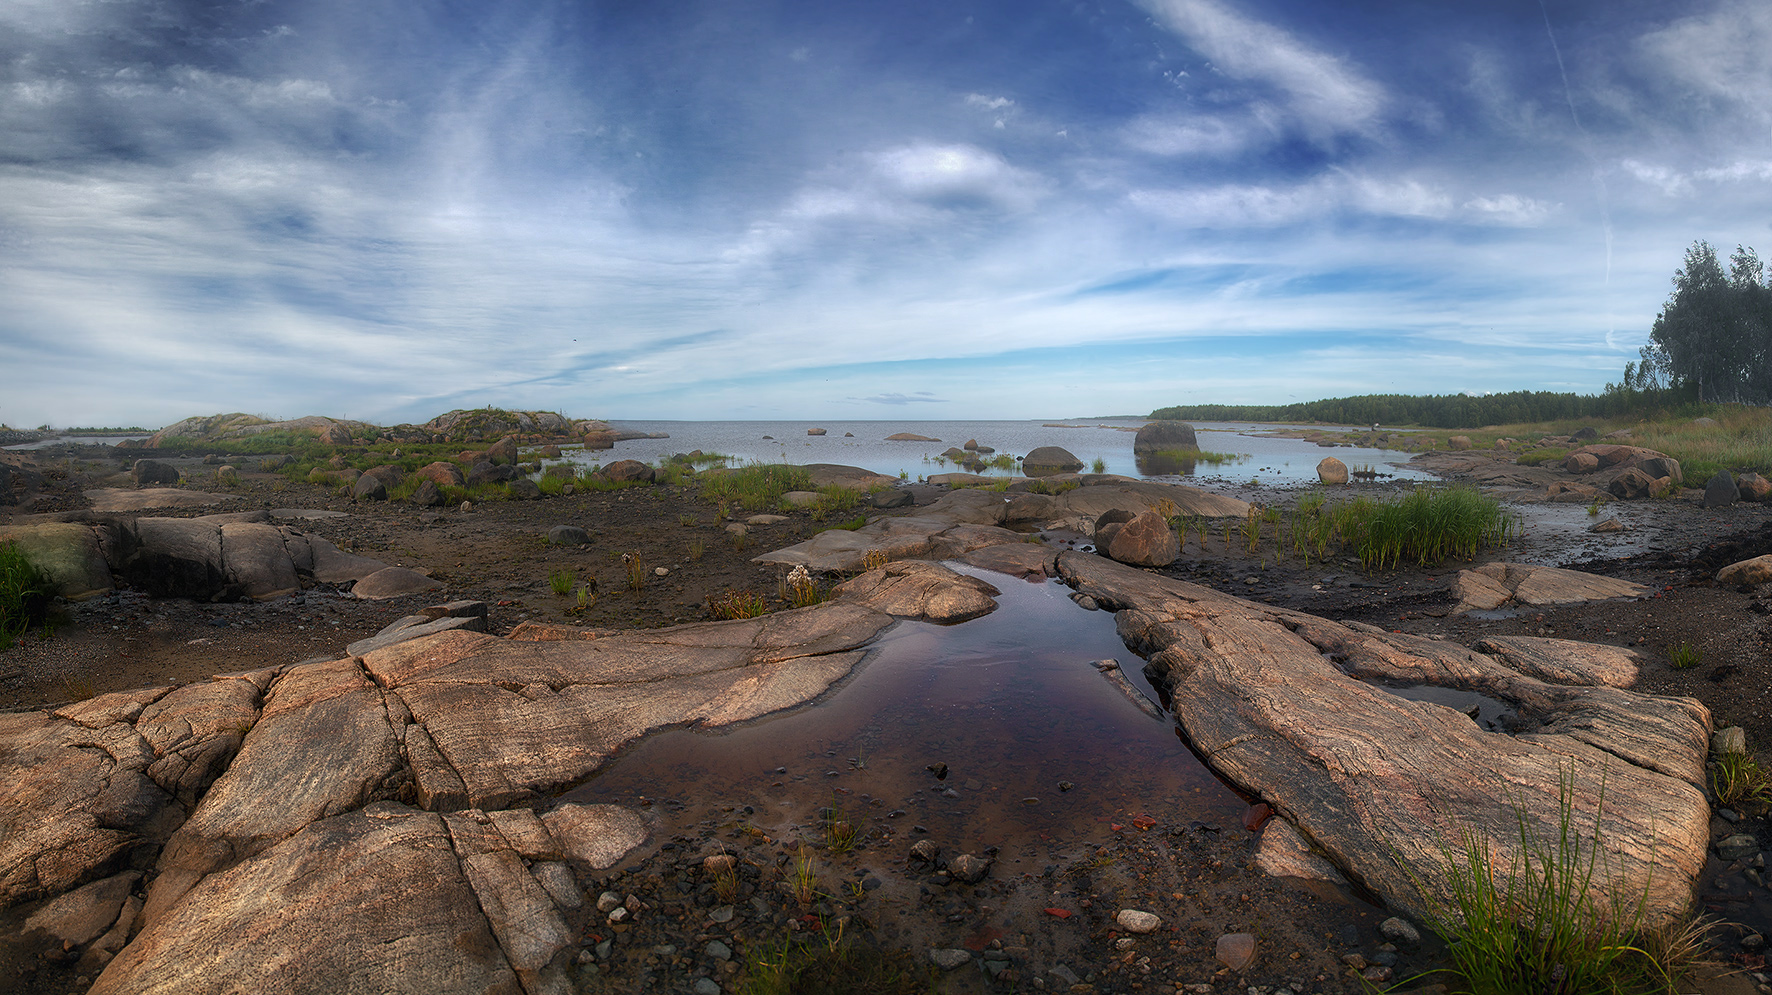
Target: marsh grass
{"type": "Point", "coordinates": [1738, 781]}
{"type": "Point", "coordinates": [828, 963]}
{"type": "Point", "coordinates": [553, 485]}
{"type": "Point", "coordinates": [1550, 922]}
{"type": "Point", "coordinates": [804, 880]}
{"type": "Point", "coordinates": [841, 833]}
{"type": "Point", "coordinates": [26, 594]}
{"type": "Point", "coordinates": [561, 581]}
{"type": "Point", "coordinates": [835, 497]}
{"type": "Point", "coordinates": [755, 485]}
{"type": "Point", "coordinates": [737, 604]}
{"type": "Point", "coordinates": [848, 525]}
{"type": "Point", "coordinates": [1424, 526]}
{"type": "Point", "coordinates": [873, 559]}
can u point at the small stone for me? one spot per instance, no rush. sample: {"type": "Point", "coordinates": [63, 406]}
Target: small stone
{"type": "Point", "coordinates": [1125, 943]}
{"type": "Point", "coordinates": [1065, 974]}
{"type": "Point", "coordinates": [661, 571]}
{"type": "Point", "coordinates": [947, 959]}
{"type": "Point", "coordinates": [1738, 846]}
{"type": "Point", "coordinates": [707, 986]}
{"type": "Point", "coordinates": [1729, 739]}
{"type": "Point", "coordinates": [617, 914]}
{"type": "Point", "coordinates": [1137, 921]}
{"type": "Point", "coordinates": [1400, 931]}
{"type": "Point", "coordinates": [723, 914]}
{"type": "Point", "coordinates": [968, 868]}
{"type": "Point", "coordinates": [1376, 973]}
{"type": "Point", "coordinates": [1236, 950]}
{"type": "Point", "coordinates": [718, 950]}
{"type": "Point", "coordinates": [608, 901]}
{"type": "Point", "coordinates": [1752, 942]}
{"type": "Point", "coordinates": [568, 535]}
{"type": "Point", "coordinates": [1065, 785]}
{"type": "Point", "coordinates": [925, 850]}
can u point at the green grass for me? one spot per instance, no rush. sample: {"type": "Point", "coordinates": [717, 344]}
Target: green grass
{"type": "Point", "coordinates": [1539, 456]}
{"type": "Point", "coordinates": [1738, 781]}
{"type": "Point", "coordinates": [1426, 527]}
{"type": "Point", "coordinates": [835, 497]}
{"type": "Point", "coordinates": [1547, 924]}
{"type": "Point", "coordinates": [850, 526]}
{"type": "Point", "coordinates": [1685, 656]}
{"type": "Point", "coordinates": [1099, 466]}
{"type": "Point", "coordinates": [1199, 456]}
{"type": "Point", "coordinates": [25, 595]}
{"type": "Point", "coordinates": [826, 963]}
{"type": "Point", "coordinates": [553, 486]}
{"type": "Point", "coordinates": [756, 485]}
{"type": "Point", "coordinates": [737, 604]}
{"type": "Point", "coordinates": [561, 581]}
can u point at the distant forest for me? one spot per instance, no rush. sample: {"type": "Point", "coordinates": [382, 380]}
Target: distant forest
{"type": "Point", "coordinates": [1711, 344]}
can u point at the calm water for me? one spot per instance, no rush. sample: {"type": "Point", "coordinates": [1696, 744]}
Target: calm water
{"type": "Point", "coordinates": [1273, 461]}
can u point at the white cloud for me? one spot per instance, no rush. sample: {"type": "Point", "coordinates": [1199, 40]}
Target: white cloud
{"type": "Point", "coordinates": [1669, 181]}
{"type": "Point", "coordinates": [1719, 55]}
{"type": "Point", "coordinates": [1327, 95]}
{"type": "Point", "coordinates": [988, 103]}
{"type": "Point", "coordinates": [1203, 135]}
{"type": "Point", "coordinates": [1509, 209]}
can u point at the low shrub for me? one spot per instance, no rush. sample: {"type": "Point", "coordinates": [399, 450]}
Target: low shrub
{"type": "Point", "coordinates": [737, 604]}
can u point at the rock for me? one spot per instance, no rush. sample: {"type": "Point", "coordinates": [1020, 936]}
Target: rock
{"type": "Point", "coordinates": [815, 431]}
{"type": "Point", "coordinates": [1606, 525]}
{"type": "Point", "coordinates": [1494, 584]}
{"type": "Point", "coordinates": [487, 472]}
{"type": "Point", "coordinates": [1565, 661]}
{"type": "Point", "coordinates": [970, 446]}
{"type": "Point", "coordinates": [925, 850]}
{"type": "Point", "coordinates": [1161, 436]}
{"type": "Point", "coordinates": [1284, 853]}
{"type": "Point", "coordinates": [369, 488]}
{"type": "Point", "coordinates": [568, 535]}
{"type": "Point", "coordinates": [1736, 847]}
{"type": "Point", "coordinates": [1048, 460]}
{"type": "Point", "coordinates": [949, 958]}
{"type": "Point", "coordinates": [909, 437]}
{"type": "Point", "coordinates": [1401, 931]}
{"type": "Point", "coordinates": [1658, 466]}
{"type": "Point", "coordinates": [599, 440]}
{"type": "Point", "coordinates": [1751, 486]}
{"type": "Point", "coordinates": [1332, 471]}
{"type": "Point", "coordinates": [148, 472]}
{"type": "Point", "coordinates": [1146, 541]}
{"type": "Point", "coordinates": [1730, 739]}
{"type": "Point", "coordinates": [549, 452]}
{"type": "Point", "coordinates": [1137, 921]}
{"type": "Point", "coordinates": [1458, 443]}
{"type": "Point", "coordinates": [631, 471]}
{"type": "Point", "coordinates": [1582, 434]}
{"type": "Point", "coordinates": [524, 489]}
{"type": "Point", "coordinates": [595, 837]}
{"type": "Point", "coordinates": [894, 498]}
{"type": "Point", "coordinates": [921, 590]}
{"type": "Point", "coordinates": [227, 476]}
{"type": "Point", "coordinates": [1113, 516]}
{"type": "Point", "coordinates": [390, 475]}
{"type": "Point", "coordinates": [392, 582]}
{"type": "Point", "coordinates": [1266, 694]}
{"type": "Point", "coordinates": [956, 454]}
{"type": "Point", "coordinates": [969, 869]}
{"type": "Point", "coordinates": [1236, 951]}
{"type": "Point", "coordinates": [427, 495]}
{"type": "Point", "coordinates": [442, 474]}
{"type": "Point", "coordinates": [417, 627]}
{"type": "Point", "coordinates": [504, 451]}
{"type": "Point", "coordinates": [84, 914]}
{"type": "Point", "coordinates": [1755, 571]}
{"type": "Point", "coordinates": [67, 553]}
{"type": "Point", "coordinates": [941, 531]}
{"type": "Point", "coordinates": [1581, 463]}
{"type": "Point", "coordinates": [1631, 485]}
{"type": "Point", "coordinates": [1720, 491]}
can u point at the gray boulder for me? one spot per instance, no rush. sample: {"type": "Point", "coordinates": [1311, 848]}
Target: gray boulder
{"type": "Point", "coordinates": [894, 498]}
{"type": "Point", "coordinates": [1721, 492]}
{"type": "Point", "coordinates": [504, 451]}
{"type": "Point", "coordinates": [487, 472]}
{"type": "Point", "coordinates": [369, 488]}
{"type": "Point", "coordinates": [428, 495]}
{"type": "Point", "coordinates": [1047, 460]}
{"type": "Point", "coordinates": [524, 489]}
{"type": "Point", "coordinates": [568, 535]}
{"type": "Point", "coordinates": [630, 470]}
{"type": "Point", "coordinates": [148, 472]}
{"type": "Point", "coordinates": [1161, 436]}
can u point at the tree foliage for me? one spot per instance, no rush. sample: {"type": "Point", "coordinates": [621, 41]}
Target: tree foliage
{"type": "Point", "coordinates": [1439, 411]}
{"type": "Point", "coordinates": [1714, 335]}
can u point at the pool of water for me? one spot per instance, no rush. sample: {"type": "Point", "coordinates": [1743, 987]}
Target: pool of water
{"type": "Point", "coordinates": [1010, 703]}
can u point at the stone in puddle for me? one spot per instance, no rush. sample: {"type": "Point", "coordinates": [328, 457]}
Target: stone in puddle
{"type": "Point", "coordinates": [1138, 921]}
{"type": "Point", "coordinates": [1738, 846]}
{"type": "Point", "coordinates": [948, 959]}
{"type": "Point", "coordinates": [968, 868]}
{"type": "Point", "coordinates": [1236, 950]}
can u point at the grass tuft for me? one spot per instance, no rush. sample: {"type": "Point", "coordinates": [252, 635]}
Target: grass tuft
{"type": "Point", "coordinates": [561, 581]}
{"type": "Point", "coordinates": [25, 594]}
{"type": "Point", "coordinates": [1738, 781]}
{"type": "Point", "coordinates": [737, 604]}
{"type": "Point", "coordinates": [757, 485]}
{"type": "Point", "coordinates": [1685, 656]}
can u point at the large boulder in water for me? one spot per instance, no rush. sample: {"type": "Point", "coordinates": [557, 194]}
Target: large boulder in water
{"type": "Point", "coordinates": [1048, 460]}
{"type": "Point", "coordinates": [1161, 436]}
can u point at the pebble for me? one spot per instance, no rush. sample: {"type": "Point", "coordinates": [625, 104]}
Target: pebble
{"type": "Point", "coordinates": [1400, 930]}
{"type": "Point", "coordinates": [1236, 950]}
{"type": "Point", "coordinates": [968, 868]}
{"type": "Point", "coordinates": [718, 950]}
{"type": "Point", "coordinates": [1738, 846]}
{"type": "Point", "coordinates": [721, 914]}
{"type": "Point", "coordinates": [1752, 942]}
{"type": "Point", "coordinates": [707, 986]}
{"type": "Point", "coordinates": [607, 901]}
{"type": "Point", "coordinates": [1125, 943]}
{"type": "Point", "coordinates": [949, 958]}
{"type": "Point", "coordinates": [1138, 921]}
{"type": "Point", "coordinates": [925, 850]}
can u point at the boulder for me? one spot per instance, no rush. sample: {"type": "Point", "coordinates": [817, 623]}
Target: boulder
{"type": "Point", "coordinates": [1755, 571]}
{"type": "Point", "coordinates": [1145, 541]}
{"type": "Point", "coordinates": [632, 471]}
{"type": "Point", "coordinates": [815, 431]}
{"type": "Point", "coordinates": [1662, 466]}
{"type": "Point", "coordinates": [1720, 491]}
{"type": "Point", "coordinates": [568, 535]}
{"type": "Point", "coordinates": [369, 488]}
{"type": "Point", "coordinates": [956, 454]}
{"type": "Point", "coordinates": [909, 437]}
{"type": "Point", "coordinates": [335, 435]}
{"type": "Point", "coordinates": [503, 452]}
{"type": "Point", "coordinates": [917, 589]}
{"type": "Point", "coordinates": [428, 495]}
{"type": "Point", "coordinates": [1584, 433]}
{"type": "Point", "coordinates": [1289, 708]}
{"type": "Point", "coordinates": [1754, 487]}
{"type": "Point", "coordinates": [1113, 516]}
{"type": "Point", "coordinates": [392, 582]}
{"type": "Point", "coordinates": [227, 476]}
{"type": "Point", "coordinates": [1581, 463]}
{"type": "Point", "coordinates": [894, 498]}
{"type": "Point", "coordinates": [1047, 460]}
{"type": "Point", "coordinates": [599, 440]}
{"type": "Point", "coordinates": [1161, 436]}
{"type": "Point", "coordinates": [390, 475]}
{"type": "Point", "coordinates": [443, 474]}
{"type": "Point", "coordinates": [487, 472]}
{"type": "Point", "coordinates": [67, 553]}
{"type": "Point", "coordinates": [1632, 485]}
{"type": "Point", "coordinates": [1332, 471]}
{"type": "Point", "coordinates": [1494, 584]}
{"type": "Point", "coordinates": [148, 472]}
{"type": "Point", "coordinates": [1458, 443]}
{"type": "Point", "coordinates": [524, 489]}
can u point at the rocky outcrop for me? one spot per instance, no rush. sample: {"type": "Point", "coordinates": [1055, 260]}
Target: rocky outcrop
{"type": "Point", "coordinates": [1165, 436]}
{"type": "Point", "coordinates": [218, 428]}
{"type": "Point", "coordinates": [67, 553]}
{"type": "Point", "coordinates": [1495, 584]}
{"type": "Point", "coordinates": [481, 424]}
{"type": "Point", "coordinates": [1284, 705]}
{"type": "Point", "coordinates": [926, 592]}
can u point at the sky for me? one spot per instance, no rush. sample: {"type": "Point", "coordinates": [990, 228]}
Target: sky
{"type": "Point", "coordinates": [387, 209]}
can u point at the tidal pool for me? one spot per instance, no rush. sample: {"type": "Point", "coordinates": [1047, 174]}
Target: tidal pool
{"type": "Point", "coordinates": [1010, 703]}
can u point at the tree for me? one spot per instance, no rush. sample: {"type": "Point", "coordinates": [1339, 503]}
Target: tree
{"type": "Point", "coordinates": [1714, 335]}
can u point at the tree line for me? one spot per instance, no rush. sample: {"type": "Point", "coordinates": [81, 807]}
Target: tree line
{"type": "Point", "coordinates": [1711, 344]}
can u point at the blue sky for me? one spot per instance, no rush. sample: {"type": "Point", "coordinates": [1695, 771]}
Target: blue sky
{"type": "Point", "coordinates": [384, 210]}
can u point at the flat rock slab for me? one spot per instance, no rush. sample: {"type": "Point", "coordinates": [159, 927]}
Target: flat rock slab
{"type": "Point", "coordinates": [916, 589]}
{"type": "Point", "coordinates": [1495, 584]}
{"type": "Point", "coordinates": [149, 498]}
{"type": "Point", "coordinates": [1030, 561]}
{"type": "Point", "coordinates": [1384, 786]}
{"type": "Point", "coordinates": [393, 582]}
{"type": "Point", "coordinates": [952, 527]}
{"type": "Point", "coordinates": [838, 475]}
